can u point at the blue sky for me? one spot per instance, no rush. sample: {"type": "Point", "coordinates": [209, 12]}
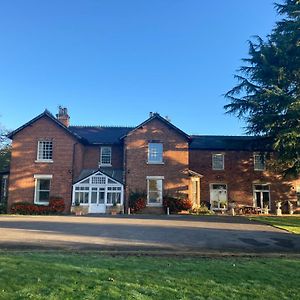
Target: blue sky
{"type": "Point", "coordinates": [112, 62]}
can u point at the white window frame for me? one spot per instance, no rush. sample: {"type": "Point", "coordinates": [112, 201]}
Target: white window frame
{"type": "Point", "coordinates": [36, 178]}
{"type": "Point", "coordinates": [44, 160]}
{"type": "Point", "coordinates": [255, 155]}
{"type": "Point", "coordinates": [101, 153]}
{"type": "Point", "coordinates": [155, 162]}
{"type": "Point", "coordinates": [161, 178]}
{"type": "Point", "coordinates": [216, 155]}
{"type": "Point", "coordinates": [4, 186]}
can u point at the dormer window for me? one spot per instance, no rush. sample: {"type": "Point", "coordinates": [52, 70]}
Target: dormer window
{"type": "Point", "coordinates": [45, 151]}
{"type": "Point", "coordinates": [105, 156]}
{"type": "Point", "coordinates": [155, 153]}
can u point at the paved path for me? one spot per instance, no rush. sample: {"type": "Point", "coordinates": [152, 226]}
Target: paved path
{"type": "Point", "coordinates": [156, 233]}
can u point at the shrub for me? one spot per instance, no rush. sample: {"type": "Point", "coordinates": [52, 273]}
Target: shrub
{"type": "Point", "coordinates": [202, 210]}
{"type": "Point", "coordinates": [3, 208]}
{"type": "Point", "coordinates": [177, 204]}
{"type": "Point", "coordinates": [26, 208]}
{"type": "Point", "coordinates": [56, 205]}
{"type": "Point", "coordinates": [137, 201]}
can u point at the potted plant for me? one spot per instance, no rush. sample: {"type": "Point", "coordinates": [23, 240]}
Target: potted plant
{"type": "Point", "coordinates": [116, 208]}
{"type": "Point", "coordinates": [78, 209]}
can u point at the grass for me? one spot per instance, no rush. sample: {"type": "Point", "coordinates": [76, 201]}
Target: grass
{"type": "Point", "coordinates": [291, 223]}
{"type": "Point", "coordinates": [90, 276]}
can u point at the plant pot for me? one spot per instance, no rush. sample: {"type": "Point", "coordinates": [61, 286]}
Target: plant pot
{"type": "Point", "coordinates": [79, 210]}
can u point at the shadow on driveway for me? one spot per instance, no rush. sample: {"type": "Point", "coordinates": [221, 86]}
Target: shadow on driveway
{"type": "Point", "coordinates": [145, 233]}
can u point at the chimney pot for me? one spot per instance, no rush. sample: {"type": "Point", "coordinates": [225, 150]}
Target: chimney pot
{"type": "Point", "coordinates": [63, 116]}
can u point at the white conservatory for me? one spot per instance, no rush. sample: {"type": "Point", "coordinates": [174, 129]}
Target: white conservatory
{"type": "Point", "coordinates": [98, 192]}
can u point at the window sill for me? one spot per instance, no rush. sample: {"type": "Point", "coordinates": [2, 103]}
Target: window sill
{"type": "Point", "coordinates": [44, 161]}
{"type": "Point", "coordinates": [218, 169]}
{"type": "Point", "coordinates": [259, 170]}
{"type": "Point", "coordinates": [105, 165]}
{"type": "Point", "coordinates": [154, 205]}
{"type": "Point", "coordinates": [42, 203]}
{"type": "Point", "coordinates": [155, 163]}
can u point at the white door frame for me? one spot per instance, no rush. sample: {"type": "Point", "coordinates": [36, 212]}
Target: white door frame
{"type": "Point", "coordinates": [210, 195]}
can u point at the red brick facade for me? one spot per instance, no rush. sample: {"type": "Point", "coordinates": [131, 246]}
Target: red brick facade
{"type": "Point", "coordinates": [239, 176]}
{"type": "Point", "coordinates": [175, 164]}
{"type": "Point", "coordinates": [72, 155]}
{"type": "Point", "coordinates": [24, 166]}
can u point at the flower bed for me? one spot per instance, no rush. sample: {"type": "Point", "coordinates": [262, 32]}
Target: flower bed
{"type": "Point", "coordinates": [137, 201]}
{"type": "Point", "coordinates": [177, 204]}
{"type": "Point", "coordinates": [56, 206]}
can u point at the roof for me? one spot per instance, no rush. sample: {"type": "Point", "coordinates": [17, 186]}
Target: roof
{"type": "Point", "coordinates": [46, 113]}
{"type": "Point", "coordinates": [217, 142]}
{"type": "Point", "coordinates": [100, 134]}
{"type": "Point", "coordinates": [116, 174]}
{"type": "Point", "coordinates": [158, 117]}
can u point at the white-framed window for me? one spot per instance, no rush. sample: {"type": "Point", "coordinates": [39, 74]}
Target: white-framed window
{"type": "Point", "coordinates": [105, 156]}
{"type": "Point", "coordinates": [298, 194]}
{"type": "Point", "coordinates": [155, 190]}
{"type": "Point", "coordinates": [98, 179]}
{"type": "Point", "coordinates": [42, 189]}
{"type": "Point", "coordinates": [4, 184]}
{"type": "Point", "coordinates": [218, 161]}
{"type": "Point", "coordinates": [45, 151]}
{"type": "Point", "coordinates": [259, 162]}
{"type": "Point", "coordinates": [155, 153]}
{"type": "Point", "coordinates": [114, 195]}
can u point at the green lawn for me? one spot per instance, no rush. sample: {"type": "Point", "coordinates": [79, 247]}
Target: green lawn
{"type": "Point", "coordinates": [291, 224]}
{"type": "Point", "coordinates": [91, 276]}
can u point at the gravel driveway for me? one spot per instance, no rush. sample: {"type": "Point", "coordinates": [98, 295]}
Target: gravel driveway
{"type": "Point", "coordinates": [148, 233]}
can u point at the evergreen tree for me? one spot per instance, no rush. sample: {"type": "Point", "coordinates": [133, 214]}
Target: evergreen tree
{"type": "Point", "coordinates": [267, 95]}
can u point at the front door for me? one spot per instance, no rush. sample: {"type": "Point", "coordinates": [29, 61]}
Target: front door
{"type": "Point", "coordinates": [97, 204]}
{"type": "Point", "coordinates": [218, 196]}
{"type": "Point", "coordinates": [262, 196]}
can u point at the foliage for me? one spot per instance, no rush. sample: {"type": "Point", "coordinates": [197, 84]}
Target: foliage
{"type": "Point", "coordinates": [177, 204]}
{"type": "Point", "coordinates": [202, 210]}
{"type": "Point", "coordinates": [56, 206]}
{"type": "Point", "coordinates": [291, 223]}
{"type": "Point", "coordinates": [267, 95]}
{"type": "Point", "coordinates": [5, 150]}
{"type": "Point", "coordinates": [137, 201]}
{"type": "Point", "coordinates": [3, 207]}
{"type": "Point", "coordinates": [79, 276]}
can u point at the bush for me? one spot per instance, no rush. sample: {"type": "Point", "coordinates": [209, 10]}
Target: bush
{"type": "Point", "coordinates": [202, 210]}
{"type": "Point", "coordinates": [56, 206]}
{"type": "Point", "coordinates": [137, 201]}
{"type": "Point", "coordinates": [3, 208]}
{"type": "Point", "coordinates": [177, 204]}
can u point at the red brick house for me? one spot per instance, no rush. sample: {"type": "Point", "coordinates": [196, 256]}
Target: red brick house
{"type": "Point", "coordinates": [99, 166]}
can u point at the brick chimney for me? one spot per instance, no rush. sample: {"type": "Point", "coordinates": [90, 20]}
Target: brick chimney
{"type": "Point", "coordinates": [63, 116]}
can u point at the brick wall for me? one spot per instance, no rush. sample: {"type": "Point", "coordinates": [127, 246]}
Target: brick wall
{"type": "Point", "coordinates": [23, 165]}
{"type": "Point", "coordinates": [92, 157]}
{"type": "Point", "coordinates": [239, 175]}
{"type": "Point", "coordinates": [176, 158]}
